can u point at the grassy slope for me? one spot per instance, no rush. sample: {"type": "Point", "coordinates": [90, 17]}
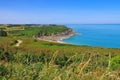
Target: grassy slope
{"type": "Point", "coordinates": [43, 60]}
{"type": "Point", "coordinates": [43, 30]}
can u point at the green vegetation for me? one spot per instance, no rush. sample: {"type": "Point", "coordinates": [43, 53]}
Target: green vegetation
{"type": "Point", "coordinates": [3, 33]}
{"type": "Point", "coordinates": [115, 63]}
{"type": "Point", "coordinates": [48, 30]}
{"type": "Point", "coordinates": [41, 60]}
{"type": "Point", "coordinates": [43, 30]}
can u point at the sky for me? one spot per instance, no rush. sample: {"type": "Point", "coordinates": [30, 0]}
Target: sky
{"type": "Point", "coordinates": [59, 11]}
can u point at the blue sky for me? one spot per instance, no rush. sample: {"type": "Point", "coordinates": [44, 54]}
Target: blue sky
{"type": "Point", "coordinates": [60, 11]}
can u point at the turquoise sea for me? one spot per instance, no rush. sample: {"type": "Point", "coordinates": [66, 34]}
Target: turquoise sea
{"type": "Point", "coordinates": [102, 35]}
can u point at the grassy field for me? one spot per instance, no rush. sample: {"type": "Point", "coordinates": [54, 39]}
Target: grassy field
{"type": "Point", "coordinates": [41, 60]}
{"type": "Point", "coordinates": [39, 30]}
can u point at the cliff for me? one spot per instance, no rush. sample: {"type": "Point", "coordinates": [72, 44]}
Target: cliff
{"type": "Point", "coordinates": [58, 36]}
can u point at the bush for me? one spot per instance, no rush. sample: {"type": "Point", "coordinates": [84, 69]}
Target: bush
{"type": "Point", "coordinates": [6, 56]}
{"type": "Point", "coordinates": [115, 63]}
{"type": "Point", "coordinates": [3, 70]}
{"type": "Point", "coordinates": [61, 61]}
{"type": "Point", "coordinates": [3, 33]}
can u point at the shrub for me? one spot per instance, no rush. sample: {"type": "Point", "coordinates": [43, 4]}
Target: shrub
{"type": "Point", "coordinates": [115, 63]}
{"type": "Point", "coordinates": [3, 33]}
{"type": "Point", "coordinates": [3, 70]}
{"type": "Point", "coordinates": [61, 61]}
{"type": "Point", "coordinates": [6, 56]}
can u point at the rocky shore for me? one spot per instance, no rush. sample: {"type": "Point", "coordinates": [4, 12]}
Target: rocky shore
{"type": "Point", "coordinates": [59, 36]}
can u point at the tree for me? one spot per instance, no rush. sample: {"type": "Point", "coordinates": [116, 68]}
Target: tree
{"type": "Point", "coordinates": [3, 33]}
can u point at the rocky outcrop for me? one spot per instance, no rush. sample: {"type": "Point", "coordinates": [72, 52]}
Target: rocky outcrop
{"type": "Point", "coordinates": [58, 36]}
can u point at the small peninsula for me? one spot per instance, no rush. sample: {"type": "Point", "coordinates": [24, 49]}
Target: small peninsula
{"type": "Point", "coordinates": [51, 33]}
{"type": "Point", "coordinates": [59, 34]}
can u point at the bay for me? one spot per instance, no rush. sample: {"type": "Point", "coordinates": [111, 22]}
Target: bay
{"type": "Point", "coordinates": [102, 35]}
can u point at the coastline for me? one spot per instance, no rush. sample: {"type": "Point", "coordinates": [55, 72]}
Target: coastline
{"type": "Point", "coordinates": [57, 38]}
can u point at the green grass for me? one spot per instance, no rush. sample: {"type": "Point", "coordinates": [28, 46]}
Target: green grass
{"type": "Point", "coordinates": [42, 60]}
{"type": "Point", "coordinates": [28, 32]}
{"type": "Point", "coordinates": [39, 30]}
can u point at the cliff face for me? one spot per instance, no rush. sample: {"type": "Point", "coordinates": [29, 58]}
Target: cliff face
{"type": "Point", "coordinates": [68, 32]}
{"type": "Point", "coordinates": [58, 36]}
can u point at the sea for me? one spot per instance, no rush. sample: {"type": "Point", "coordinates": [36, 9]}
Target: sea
{"type": "Point", "coordinates": [97, 35]}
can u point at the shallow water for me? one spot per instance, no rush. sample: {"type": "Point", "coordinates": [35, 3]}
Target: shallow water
{"type": "Point", "coordinates": [102, 35]}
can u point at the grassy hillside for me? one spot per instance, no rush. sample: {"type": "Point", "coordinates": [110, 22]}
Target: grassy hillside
{"type": "Point", "coordinates": [44, 30]}
{"type": "Point", "coordinates": [41, 60]}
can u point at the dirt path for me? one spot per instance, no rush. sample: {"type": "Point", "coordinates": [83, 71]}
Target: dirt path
{"type": "Point", "coordinates": [19, 42]}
